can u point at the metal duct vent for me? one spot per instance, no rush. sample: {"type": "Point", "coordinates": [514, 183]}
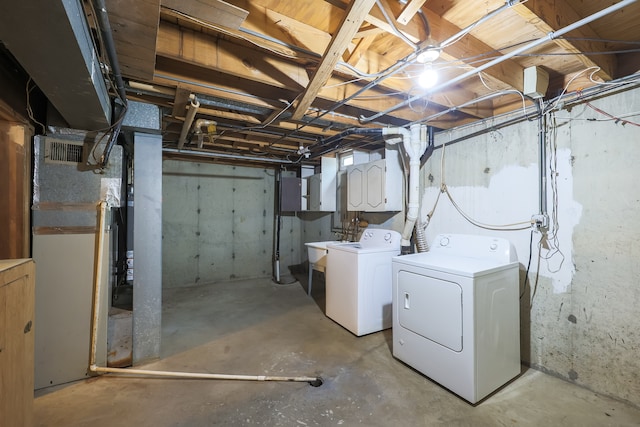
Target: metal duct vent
{"type": "Point", "coordinates": [65, 152]}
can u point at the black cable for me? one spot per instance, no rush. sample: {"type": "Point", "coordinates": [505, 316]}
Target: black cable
{"type": "Point", "coordinates": [526, 276]}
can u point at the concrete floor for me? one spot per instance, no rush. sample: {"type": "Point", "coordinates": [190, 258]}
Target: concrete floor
{"type": "Point", "coordinates": [261, 328]}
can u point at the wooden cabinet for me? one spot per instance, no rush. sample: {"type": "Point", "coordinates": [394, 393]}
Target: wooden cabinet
{"type": "Point", "coordinates": [375, 186]}
{"type": "Point", "coordinates": [17, 287]}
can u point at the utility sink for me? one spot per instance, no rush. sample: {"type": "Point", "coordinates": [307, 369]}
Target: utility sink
{"type": "Point", "coordinates": [317, 253]}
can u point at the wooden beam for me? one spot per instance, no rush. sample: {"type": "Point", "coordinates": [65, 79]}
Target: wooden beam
{"type": "Point", "coordinates": [187, 55]}
{"type": "Point", "coordinates": [135, 28]}
{"type": "Point", "coordinates": [180, 101]}
{"type": "Point", "coordinates": [410, 9]}
{"type": "Point", "coordinates": [549, 16]}
{"type": "Point", "coordinates": [217, 12]}
{"type": "Point", "coordinates": [509, 72]}
{"type": "Point", "coordinates": [354, 17]}
{"type": "Point", "coordinates": [361, 48]}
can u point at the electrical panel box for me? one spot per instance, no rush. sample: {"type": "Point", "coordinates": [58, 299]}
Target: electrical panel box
{"type": "Point", "coordinates": [376, 186]}
{"type": "Point", "coordinates": [291, 197]}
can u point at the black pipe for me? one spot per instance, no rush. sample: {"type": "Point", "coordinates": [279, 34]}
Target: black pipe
{"type": "Point", "coordinates": [333, 142]}
{"type": "Point", "coordinates": [109, 45]}
{"type": "Point", "coordinates": [430, 146]}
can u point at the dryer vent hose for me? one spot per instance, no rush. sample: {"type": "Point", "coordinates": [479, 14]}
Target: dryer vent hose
{"type": "Point", "coordinates": [421, 236]}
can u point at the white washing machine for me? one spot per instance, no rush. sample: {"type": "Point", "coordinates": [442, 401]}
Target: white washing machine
{"type": "Point", "coordinates": [456, 313]}
{"type": "Point", "coordinates": [358, 281]}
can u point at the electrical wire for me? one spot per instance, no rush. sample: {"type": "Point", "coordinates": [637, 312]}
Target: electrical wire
{"type": "Point", "coordinates": [29, 88]}
{"type": "Point", "coordinates": [551, 240]}
{"type": "Point", "coordinates": [564, 90]}
{"type": "Point", "coordinates": [611, 117]}
{"type": "Point", "coordinates": [522, 225]}
{"type": "Point", "coordinates": [526, 274]}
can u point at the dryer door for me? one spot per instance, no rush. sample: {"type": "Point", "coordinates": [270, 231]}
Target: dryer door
{"type": "Point", "coordinates": [431, 307]}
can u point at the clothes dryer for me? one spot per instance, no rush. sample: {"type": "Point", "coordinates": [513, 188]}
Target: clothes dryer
{"type": "Point", "coordinates": [456, 313]}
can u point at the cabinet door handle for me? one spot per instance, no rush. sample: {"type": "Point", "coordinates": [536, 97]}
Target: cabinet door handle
{"type": "Point", "coordinates": [27, 327]}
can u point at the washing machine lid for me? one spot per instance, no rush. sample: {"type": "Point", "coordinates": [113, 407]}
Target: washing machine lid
{"type": "Point", "coordinates": [359, 248]}
{"type": "Point", "coordinates": [460, 266]}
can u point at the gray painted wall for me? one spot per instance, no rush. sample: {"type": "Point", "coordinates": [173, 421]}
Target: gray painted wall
{"type": "Point", "coordinates": [218, 224]}
{"type": "Point", "coordinates": [580, 316]}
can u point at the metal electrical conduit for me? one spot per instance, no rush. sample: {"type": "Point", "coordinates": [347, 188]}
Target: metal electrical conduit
{"type": "Point", "coordinates": [213, 155]}
{"type": "Point", "coordinates": [542, 179]}
{"type": "Point", "coordinates": [406, 62]}
{"type": "Point", "coordinates": [552, 35]}
{"type": "Point", "coordinates": [313, 381]}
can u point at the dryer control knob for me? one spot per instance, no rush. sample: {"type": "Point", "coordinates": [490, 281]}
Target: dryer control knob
{"type": "Point", "coordinates": [493, 246]}
{"type": "Point", "coordinates": [444, 241]}
{"type": "Point", "coordinates": [387, 237]}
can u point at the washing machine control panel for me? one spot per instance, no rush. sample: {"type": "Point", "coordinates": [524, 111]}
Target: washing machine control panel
{"type": "Point", "coordinates": [376, 237]}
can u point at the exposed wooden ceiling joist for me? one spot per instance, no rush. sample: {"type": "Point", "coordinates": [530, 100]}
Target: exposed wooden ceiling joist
{"type": "Point", "coordinates": [549, 16]}
{"type": "Point", "coordinates": [217, 12]}
{"type": "Point", "coordinates": [316, 52]}
{"type": "Point", "coordinates": [354, 17]}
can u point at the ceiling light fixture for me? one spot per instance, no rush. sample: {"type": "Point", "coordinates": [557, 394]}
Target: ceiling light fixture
{"type": "Point", "coordinates": [429, 51]}
{"type": "Point", "coordinates": [428, 78]}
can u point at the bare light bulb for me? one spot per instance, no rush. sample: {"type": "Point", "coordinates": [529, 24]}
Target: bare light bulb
{"type": "Point", "coordinates": [428, 55]}
{"type": "Point", "coordinates": [428, 78]}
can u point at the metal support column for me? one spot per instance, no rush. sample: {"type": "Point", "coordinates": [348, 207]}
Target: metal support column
{"type": "Point", "coordinates": [147, 241]}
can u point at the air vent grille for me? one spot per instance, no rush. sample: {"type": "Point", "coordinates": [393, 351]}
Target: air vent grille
{"type": "Point", "coordinates": [66, 152]}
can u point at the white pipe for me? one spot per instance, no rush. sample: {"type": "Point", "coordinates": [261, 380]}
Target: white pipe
{"type": "Point", "coordinates": [188, 120]}
{"type": "Point", "coordinates": [96, 281]}
{"type": "Point", "coordinates": [552, 35]}
{"type": "Point", "coordinates": [414, 145]}
{"type": "Point", "coordinates": [314, 381]}
{"type": "Point", "coordinates": [196, 375]}
{"type": "Point", "coordinates": [200, 123]}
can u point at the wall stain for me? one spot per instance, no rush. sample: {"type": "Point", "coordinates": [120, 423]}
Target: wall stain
{"type": "Point", "coordinates": [573, 375]}
{"type": "Point", "coordinates": [560, 310]}
{"type": "Point", "coordinates": [572, 319]}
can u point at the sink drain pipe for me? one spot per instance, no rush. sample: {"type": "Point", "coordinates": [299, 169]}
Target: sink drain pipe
{"type": "Point", "coordinates": [313, 381]}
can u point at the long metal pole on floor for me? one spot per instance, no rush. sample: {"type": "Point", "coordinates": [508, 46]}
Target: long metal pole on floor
{"type": "Point", "coordinates": [313, 381]}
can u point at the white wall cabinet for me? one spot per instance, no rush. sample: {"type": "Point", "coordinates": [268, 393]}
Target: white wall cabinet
{"type": "Point", "coordinates": [376, 186]}
{"type": "Point", "coordinates": [322, 186]}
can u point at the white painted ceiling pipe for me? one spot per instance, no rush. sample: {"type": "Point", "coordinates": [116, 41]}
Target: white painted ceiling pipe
{"type": "Point", "coordinates": [191, 114]}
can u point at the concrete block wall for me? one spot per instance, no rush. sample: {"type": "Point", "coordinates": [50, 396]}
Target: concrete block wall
{"type": "Point", "coordinates": [218, 224]}
{"type": "Point", "coordinates": [579, 310]}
